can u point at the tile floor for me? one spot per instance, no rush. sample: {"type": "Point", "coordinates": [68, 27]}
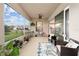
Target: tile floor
{"type": "Point", "coordinates": [31, 48]}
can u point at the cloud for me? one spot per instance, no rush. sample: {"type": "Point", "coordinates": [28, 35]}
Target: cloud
{"type": "Point", "coordinates": [8, 10]}
{"type": "Point", "coordinates": [11, 17]}
{"type": "Point", "coordinates": [15, 21]}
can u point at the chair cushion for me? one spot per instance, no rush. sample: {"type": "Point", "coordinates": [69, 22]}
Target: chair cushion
{"type": "Point", "coordinates": [65, 51]}
{"type": "Point", "coordinates": [72, 44]}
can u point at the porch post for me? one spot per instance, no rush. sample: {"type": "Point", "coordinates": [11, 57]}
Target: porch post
{"type": "Point", "coordinates": [1, 24]}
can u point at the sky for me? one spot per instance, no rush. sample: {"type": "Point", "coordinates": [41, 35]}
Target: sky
{"type": "Point", "coordinates": [11, 17]}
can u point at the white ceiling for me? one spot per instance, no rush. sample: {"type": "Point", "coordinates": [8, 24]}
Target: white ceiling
{"type": "Point", "coordinates": [33, 9]}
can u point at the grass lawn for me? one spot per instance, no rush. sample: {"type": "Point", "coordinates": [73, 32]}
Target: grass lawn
{"type": "Point", "coordinates": [12, 35]}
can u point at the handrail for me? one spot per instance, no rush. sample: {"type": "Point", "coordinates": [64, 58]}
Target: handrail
{"type": "Point", "coordinates": [11, 40]}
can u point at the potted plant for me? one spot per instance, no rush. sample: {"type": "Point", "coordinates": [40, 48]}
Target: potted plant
{"type": "Point", "coordinates": [32, 24]}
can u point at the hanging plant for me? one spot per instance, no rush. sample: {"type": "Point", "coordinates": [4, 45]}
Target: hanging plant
{"type": "Point", "coordinates": [32, 24]}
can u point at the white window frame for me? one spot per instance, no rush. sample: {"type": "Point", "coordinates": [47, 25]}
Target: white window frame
{"type": "Point", "coordinates": [64, 35]}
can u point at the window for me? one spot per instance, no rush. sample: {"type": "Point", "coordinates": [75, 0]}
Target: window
{"type": "Point", "coordinates": [62, 25]}
{"type": "Point", "coordinates": [14, 23]}
{"type": "Point", "coordinates": [59, 23]}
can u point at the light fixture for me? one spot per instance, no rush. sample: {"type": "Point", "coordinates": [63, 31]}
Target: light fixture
{"type": "Point", "coordinates": [40, 16]}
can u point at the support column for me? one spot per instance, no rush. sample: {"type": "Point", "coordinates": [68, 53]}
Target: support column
{"type": "Point", "coordinates": [1, 24]}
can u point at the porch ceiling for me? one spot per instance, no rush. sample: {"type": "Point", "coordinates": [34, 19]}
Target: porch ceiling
{"type": "Point", "coordinates": [32, 10]}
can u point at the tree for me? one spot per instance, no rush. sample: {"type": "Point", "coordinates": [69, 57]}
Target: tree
{"type": "Point", "coordinates": [7, 28]}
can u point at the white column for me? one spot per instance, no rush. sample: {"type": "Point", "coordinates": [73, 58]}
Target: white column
{"type": "Point", "coordinates": [1, 25]}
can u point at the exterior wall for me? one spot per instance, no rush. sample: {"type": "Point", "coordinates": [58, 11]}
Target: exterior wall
{"type": "Point", "coordinates": [45, 27]}
{"type": "Point", "coordinates": [73, 19]}
{"type": "Point", "coordinates": [1, 25]}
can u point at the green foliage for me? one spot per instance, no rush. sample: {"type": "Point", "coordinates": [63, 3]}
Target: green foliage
{"type": "Point", "coordinates": [2, 51]}
{"type": "Point", "coordinates": [9, 35]}
{"type": "Point", "coordinates": [9, 45]}
{"type": "Point", "coordinates": [8, 48]}
{"type": "Point", "coordinates": [15, 52]}
{"type": "Point", "coordinates": [8, 28]}
{"type": "Point", "coordinates": [11, 51]}
{"type": "Point", "coordinates": [12, 35]}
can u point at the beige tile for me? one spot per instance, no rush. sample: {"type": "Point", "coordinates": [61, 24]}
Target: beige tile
{"type": "Point", "coordinates": [30, 49]}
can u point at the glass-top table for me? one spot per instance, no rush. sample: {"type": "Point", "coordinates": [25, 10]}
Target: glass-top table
{"type": "Point", "coordinates": [47, 49]}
